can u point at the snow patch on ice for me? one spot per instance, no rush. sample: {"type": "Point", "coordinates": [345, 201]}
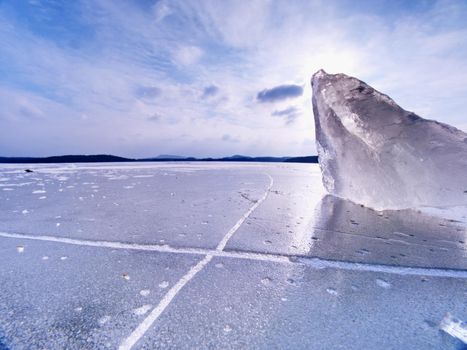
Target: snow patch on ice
{"type": "Point", "coordinates": [142, 176]}
{"type": "Point", "coordinates": [163, 284]}
{"type": "Point", "coordinates": [383, 284]}
{"type": "Point", "coordinates": [17, 185]}
{"type": "Point", "coordinates": [103, 320]}
{"type": "Point", "coordinates": [144, 292]}
{"type": "Point", "coordinates": [142, 310]}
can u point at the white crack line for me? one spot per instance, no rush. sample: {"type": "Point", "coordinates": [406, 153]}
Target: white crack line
{"type": "Point", "coordinates": [318, 263]}
{"type": "Point", "coordinates": [310, 261]}
{"type": "Point", "coordinates": [143, 327]}
{"type": "Point", "coordinates": [150, 247]}
{"type": "Point", "coordinates": [136, 335]}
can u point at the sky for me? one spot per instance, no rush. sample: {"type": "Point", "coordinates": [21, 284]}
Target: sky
{"type": "Point", "coordinates": [213, 77]}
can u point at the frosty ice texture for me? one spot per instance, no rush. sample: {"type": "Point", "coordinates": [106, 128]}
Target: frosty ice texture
{"type": "Point", "coordinates": [373, 152]}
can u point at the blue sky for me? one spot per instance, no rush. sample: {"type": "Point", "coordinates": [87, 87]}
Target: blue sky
{"type": "Point", "coordinates": [213, 78]}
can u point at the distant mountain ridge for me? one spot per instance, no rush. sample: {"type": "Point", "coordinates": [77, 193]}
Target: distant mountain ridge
{"type": "Point", "coordinates": [66, 159]}
{"type": "Point", "coordinates": [168, 156]}
{"type": "Point", "coordinates": [161, 158]}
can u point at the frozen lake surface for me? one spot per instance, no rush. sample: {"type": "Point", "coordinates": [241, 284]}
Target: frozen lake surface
{"type": "Point", "coordinates": [221, 256]}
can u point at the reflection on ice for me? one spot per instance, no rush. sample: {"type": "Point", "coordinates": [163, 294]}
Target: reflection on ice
{"type": "Point", "coordinates": [347, 231]}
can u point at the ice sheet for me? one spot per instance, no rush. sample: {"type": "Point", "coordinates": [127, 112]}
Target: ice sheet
{"type": "Point", "coordinates": [297, 266]}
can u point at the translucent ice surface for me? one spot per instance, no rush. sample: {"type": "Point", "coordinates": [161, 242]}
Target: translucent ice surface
{"type": "Point", "coordinates": [375, 153]}
{"type": "Point", "coordinates": [221, 256]}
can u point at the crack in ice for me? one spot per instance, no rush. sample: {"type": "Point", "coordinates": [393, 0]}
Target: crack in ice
{"type": "Point", "coordinates": [136, 335]}
{"type": "Point", "coordinates": [310, 261]}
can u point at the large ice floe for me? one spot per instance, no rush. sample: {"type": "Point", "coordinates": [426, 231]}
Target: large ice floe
{"type": "Point", "coordinates": [373, 152]}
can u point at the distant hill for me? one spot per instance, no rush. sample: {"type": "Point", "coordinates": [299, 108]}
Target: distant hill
{"type": "Point", "coordinates": [162, 158]}
{"type": "Point", "coordinates": [307, 159]}
{"type": "Point", "coordinates": [66, 159]}
{"type": "Point", "coordinates": [165, 156]}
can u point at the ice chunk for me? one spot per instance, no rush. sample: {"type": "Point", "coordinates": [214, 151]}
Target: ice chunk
{"type": "Point", "coordinates": [454, 327]}
{"type": "Point", "coordinates": [144, 292]}
{"type": "Point", "coordinates": [382, 283]}
{"type": "Point", "coordinates": [103, 320]}
{"type": "Point", "coordinates": [142, 310]}
{"type": "Point", "coordinates": [373, 152]}
{"type": "Point", "coordinates": [163, 284]}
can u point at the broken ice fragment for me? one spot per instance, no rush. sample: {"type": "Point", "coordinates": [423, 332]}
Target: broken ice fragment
{"type": "Point", "coordinates": [454, 327]}
{"type": "Point", "coordinates": [382, 283]}
{"type": "Point", "coordinates": [144, 292]}
{"type": "Point", "coordinates": [373, 152]}
{"type": "Point", "coordinates": [163, 284]}
{"type": "Point", "coordinates": [103, 320]}
{"type": "Point", "coordinates": [142, 310]}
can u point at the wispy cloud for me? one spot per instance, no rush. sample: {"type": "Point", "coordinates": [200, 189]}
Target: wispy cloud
{"type": "Point", "coordinates": [290, 114]}
{"type": "Point", "coordinates": [210, 91]}
{"type": "Point", "coordinates": [187, 55]}
{"type": "Point", "coordinates": [149, 92]}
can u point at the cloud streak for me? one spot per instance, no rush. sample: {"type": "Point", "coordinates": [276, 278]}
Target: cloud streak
{"type": "Point", "coordinates": [290, 114]}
